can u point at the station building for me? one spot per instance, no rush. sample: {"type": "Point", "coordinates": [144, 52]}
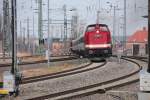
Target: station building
{"type": "Point", "coordinates": [137, 43]}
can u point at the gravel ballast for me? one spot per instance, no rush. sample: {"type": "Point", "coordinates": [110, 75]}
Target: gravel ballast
{"type": "Point", "coordinates": [110, 71]}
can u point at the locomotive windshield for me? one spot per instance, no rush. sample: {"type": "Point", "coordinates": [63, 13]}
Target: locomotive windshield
{"type": "Point", "coordinates": [93, 27]}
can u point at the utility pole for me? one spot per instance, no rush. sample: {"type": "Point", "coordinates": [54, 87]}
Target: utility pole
{"type": "Point", "coordinates": [33, 49]}
{"type": "Point", "coordinates": [48, 54]}
{"type": "Point", "coordinates": [40, 25]}
{"type": "Point", "coordinates": [65, 22]}
{"type": "Point", "coordinates": [33, 45]}
{"type": "Point", "coordinates": [28, 35]}
{"type": "Point", "coordinates": [124, 47]}
{"type": "Point", "coordinates": [144, 94]}
{"type": "Point", "coordinates": [24, 39]}
{"type": "Point", "coordinates": [98, 13]}
{"type": "Point", "coordinates": [21, 37]}
{"type": "Point", "coordinates": [6, 28]}
{"type": "Point", "coordinates": [14, 36]}
{"type": "Point", "coordinates": [65, 27]}
{"type": "Point", "coordinates": [148, 70]}
{"type": "Point", "coordinates": [14, 68]}
{"type": "Point", "coordinates": [61, 32]}
{"type": "Point", "coordinates": [114, 24]}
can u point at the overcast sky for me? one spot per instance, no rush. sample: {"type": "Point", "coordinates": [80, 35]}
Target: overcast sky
{"type": "Point", "coordinates": [86, 10]}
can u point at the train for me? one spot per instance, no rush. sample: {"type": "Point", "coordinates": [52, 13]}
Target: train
{"type": "Point", "coordinates": [96, 41]}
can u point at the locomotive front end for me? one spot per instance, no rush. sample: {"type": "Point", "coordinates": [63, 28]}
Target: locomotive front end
{"type": "Point", "coordinates": [98, 40]}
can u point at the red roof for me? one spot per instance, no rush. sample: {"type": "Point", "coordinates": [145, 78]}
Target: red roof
{"type": "Point", "coordinates": [139, 36]}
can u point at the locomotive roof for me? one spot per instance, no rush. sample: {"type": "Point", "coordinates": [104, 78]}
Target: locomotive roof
{"type": "Point", "coordinates": [97, 24]}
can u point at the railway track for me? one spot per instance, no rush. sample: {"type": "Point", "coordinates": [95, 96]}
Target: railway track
{"type": "Point", "coordinates": [144, 59]}
{"type": "Point", "coordinates": [40, 61]}
{"type": "Point", "coordinates": [62, 74]}
{"type": "Point", "coordinates": [101, 87]}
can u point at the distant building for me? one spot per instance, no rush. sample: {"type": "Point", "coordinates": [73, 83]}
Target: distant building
{"type": "Point", "coordinates": [137, 43]}
{"type": "Point", "coordinates": [58, 47]}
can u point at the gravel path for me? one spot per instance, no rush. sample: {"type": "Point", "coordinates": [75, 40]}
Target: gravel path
{"type": "Point", "coordinates": [111, 70]}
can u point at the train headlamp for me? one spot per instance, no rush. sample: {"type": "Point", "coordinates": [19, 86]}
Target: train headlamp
{"type": "Point", "coordinates": [97, 31]}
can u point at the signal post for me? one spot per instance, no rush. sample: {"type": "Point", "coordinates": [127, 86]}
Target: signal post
{"type": "Point", "coordinates": [145, 75]}
{"type": "Point", "coordinates": [11, 79]}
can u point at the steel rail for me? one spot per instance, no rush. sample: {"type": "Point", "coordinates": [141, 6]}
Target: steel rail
{"type": "Point", "coordinates": [90, 87]}
{"type": "Point", "coordinates": [61, 74]}
{"type": "Point", "coordinates": [40, 61]}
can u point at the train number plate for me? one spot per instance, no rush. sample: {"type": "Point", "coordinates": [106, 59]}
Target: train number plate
{"type": "Point", "coordinates": [98, 36]}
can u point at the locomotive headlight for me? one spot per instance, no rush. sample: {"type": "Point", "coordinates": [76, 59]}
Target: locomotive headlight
{"type": "Point", "coordinates": [97, 31]}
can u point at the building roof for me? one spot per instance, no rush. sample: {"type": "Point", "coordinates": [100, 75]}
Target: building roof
{"type": "Point", "coordinates": [139, 36]}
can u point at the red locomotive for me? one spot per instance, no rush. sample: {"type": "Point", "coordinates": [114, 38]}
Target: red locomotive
{"type": "Point", "coordinates": [96, 41]}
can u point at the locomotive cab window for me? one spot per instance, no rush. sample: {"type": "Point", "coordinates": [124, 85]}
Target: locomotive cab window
{"type": "Point", "coordinates": [91, 28]}
{"type": "Point", "coordinates": [104, 28]}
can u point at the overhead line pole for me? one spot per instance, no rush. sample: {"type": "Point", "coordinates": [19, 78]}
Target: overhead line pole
{"type": "Point", "coordinates": [124, 47]}
{"type": "Point", "coordinates": [6, 28]}
{"type": "Point", "coordinates": [14, 68]}
{"type": "Point", "coordinates": [40, 34]}
{"type": "Point", "coordinates": [98, 13]}
{"type": "Point", "coordinates": [28, 35]}
{"type": "Point", "coordinates": [14, 36]}
{"type": "Point", "coordinates": [20, 46]}
{"type": "Point", "coordinates": [65, 22]}
{"type": "Point", "coordinates": [33, 49]}
{"type": "Point", "coordinates": [48, 36]}
{"type": "Point", "coordinates": [148, 70]}
{"type": "Point", "coordinates": [65, 27]}
{"type": "Point", "coordinates": [114, 24]}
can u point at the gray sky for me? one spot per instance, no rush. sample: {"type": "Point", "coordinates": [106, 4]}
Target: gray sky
{"type": "Point", "coordinates": [86, 10]}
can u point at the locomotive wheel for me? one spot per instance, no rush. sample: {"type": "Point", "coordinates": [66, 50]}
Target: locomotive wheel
{"type": "Point", "coordinates": [97, 59]}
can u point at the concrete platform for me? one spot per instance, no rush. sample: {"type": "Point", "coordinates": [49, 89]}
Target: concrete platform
{"type": "Point", "coordinates": [144, 96]}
